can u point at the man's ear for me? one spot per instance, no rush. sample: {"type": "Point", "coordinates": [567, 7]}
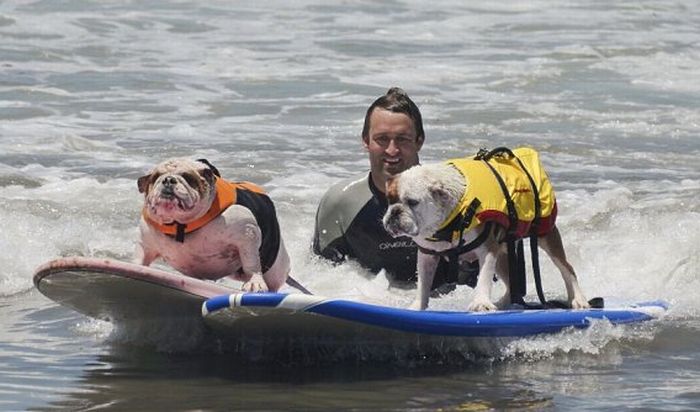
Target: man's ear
{"type": "Point", "coordinates": [143, 183]}
{"type": "Point", "coordinates": [365, 142]}
{"type": "Point", "coordinates": [419, 142]}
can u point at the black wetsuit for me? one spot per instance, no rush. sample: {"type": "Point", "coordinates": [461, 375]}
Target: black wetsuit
{"type": "Point", "coordinates": [349, 225]}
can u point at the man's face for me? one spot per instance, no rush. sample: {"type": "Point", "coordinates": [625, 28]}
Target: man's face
{"type": "Point", "coordinates": [392, 145]}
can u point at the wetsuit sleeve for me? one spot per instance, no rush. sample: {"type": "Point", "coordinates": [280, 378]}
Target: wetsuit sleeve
{"type": "Point", "coordinates": [329, 240]}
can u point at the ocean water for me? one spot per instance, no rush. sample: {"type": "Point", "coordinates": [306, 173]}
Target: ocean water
{"type": "Point", "coordinates": [93, 93]}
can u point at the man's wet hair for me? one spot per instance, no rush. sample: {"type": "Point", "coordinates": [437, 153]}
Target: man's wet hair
{"type": "Point", "coordinates": [397, 101]}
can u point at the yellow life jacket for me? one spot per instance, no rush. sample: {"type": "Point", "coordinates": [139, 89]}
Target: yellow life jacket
{"type": "Point", "coordinates": [224, 198]}
{"type": "Point", "coordinates": [487, 200]}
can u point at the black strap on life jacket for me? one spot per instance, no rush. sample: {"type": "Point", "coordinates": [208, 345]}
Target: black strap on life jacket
{"type": "Point", "coordinates": [516, 261]}
{"type": "Point", "coordinates": [534, 249]}
{"type": "Point", "coordinates": [458, 224]}
{"type": "Point", "coordinates": [452, 255]}
{"type": "Point", "coordinates": [485, 156]}
{"type": "Point", "coordinates": [180, 234]}
{"type": "Point", "coordinates": [461, 247]}
{"type": "Point", "coordinates": [534, 225]}
{"type": "Point", "coordinates": [180, 230]}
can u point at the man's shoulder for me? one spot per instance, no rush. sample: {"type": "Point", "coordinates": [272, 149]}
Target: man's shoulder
{"type": "Point", "coordinates": [337, 209]}
{"type": "Point", "coordinates": [353, 189]}
{"type": "Point", "coordinates": [351, 185]}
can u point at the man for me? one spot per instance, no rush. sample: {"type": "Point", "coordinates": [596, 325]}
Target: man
{"type": "Point", "coordinates": [349, 217]}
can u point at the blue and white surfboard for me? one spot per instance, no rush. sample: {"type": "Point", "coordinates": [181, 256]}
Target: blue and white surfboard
{"type": "Point", "coordinates": [336, 315]}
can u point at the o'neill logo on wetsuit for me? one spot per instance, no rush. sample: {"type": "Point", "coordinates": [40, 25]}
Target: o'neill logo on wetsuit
{"type": "Point", "coordinates": [397, 244]}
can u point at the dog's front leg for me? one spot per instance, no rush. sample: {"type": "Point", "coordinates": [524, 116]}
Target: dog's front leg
{"type": "Point", "coordinates": [143, 255]}
{"type": "Point", "coordinates": [427, 264]}
{"type": "Point", "coordinates": [482, 292]}
{"type": "Point", "coordinates": [250, 260]}
{"type": "Point", "coordinates": [145, 251]}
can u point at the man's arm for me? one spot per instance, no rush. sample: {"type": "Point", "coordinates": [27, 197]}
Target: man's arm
{"type": "Point", "coordinates": [336, 212]}
{"type": "Point", "coordinates": [329, 241]}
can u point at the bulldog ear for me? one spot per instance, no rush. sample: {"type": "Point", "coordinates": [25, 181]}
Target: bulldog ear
{"type": "Point", "coordinates": [392, 189]}
{"type": "Point", "coordinates": [143, 183]}
{"type": "Point", "coordinates": [210, 166]}
{"type": "Point", "coordinates": [208, 175]}
{"type": "Point", "coordinates": [439, 193]}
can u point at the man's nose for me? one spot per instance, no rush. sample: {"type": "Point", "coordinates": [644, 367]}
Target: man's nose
{"type": "Point", "coordinates": [392, 148]}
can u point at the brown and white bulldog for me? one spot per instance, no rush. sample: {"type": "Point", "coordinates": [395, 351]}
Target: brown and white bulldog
{"type": "Point", "coordinates": [424, 199]}
{"type": "Point", "coordinates": [209, 228]}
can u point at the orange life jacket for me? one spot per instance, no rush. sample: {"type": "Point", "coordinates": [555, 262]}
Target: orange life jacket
{"type": "Point", "coordinates": [225, 197]}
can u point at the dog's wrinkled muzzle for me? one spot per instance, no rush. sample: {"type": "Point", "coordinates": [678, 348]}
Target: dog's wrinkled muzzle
{"type": "Point", "coordinates": [398, 223]}
{"type": "Point", "coordinates": [167, 192]}
{"type": "Point", "coordinates": [167, 196]}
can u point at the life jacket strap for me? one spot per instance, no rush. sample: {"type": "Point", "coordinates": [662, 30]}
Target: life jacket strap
{"type": "Point", "coordinates": [461, 248]}
{"type": "Point", "coordinates": [510, 205]}
{"type": "Point", "coordinates": [455, 229]}
{"type": "Point", "coordinates": [516, 253]}
{"type": "Point", "coordinates": [454, 253]}
{"type": "Point", "coordinates": [180, 230]}
{"type": "Point", "coordinates": [180, 235]}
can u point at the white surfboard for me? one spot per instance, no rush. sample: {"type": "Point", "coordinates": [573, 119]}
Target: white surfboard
{"type": "Point", "coordinates": [117, 291]}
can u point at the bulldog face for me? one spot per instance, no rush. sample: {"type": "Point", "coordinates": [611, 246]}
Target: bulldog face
{"type": "Point", "coordinates": [420, 199]}
{"type": "Point", "coordinates": [178, 190]}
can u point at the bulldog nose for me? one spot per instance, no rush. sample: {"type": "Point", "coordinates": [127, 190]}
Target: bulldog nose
{"type": "Point", "coordinates": [170, 181]}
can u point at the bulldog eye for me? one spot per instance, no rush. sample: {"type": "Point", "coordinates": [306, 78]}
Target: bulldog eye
{"type": "Point", "coordinates": [191, 179]}
{"type": "Point", "coordinates": [411, 202]}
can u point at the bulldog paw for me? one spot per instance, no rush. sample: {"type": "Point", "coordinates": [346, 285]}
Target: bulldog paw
{"type": "Point", "coordinates": [481, 305]}
{"type": "Point", "coordinates": [579, 303]}
{"type": "Point", "coordinates": [255, 284]}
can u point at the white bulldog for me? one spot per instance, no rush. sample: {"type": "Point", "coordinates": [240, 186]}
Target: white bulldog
{"type": "Point", "coordinates": [208, 228]}
{"type": "Point", "coordinates": [424, 197]}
